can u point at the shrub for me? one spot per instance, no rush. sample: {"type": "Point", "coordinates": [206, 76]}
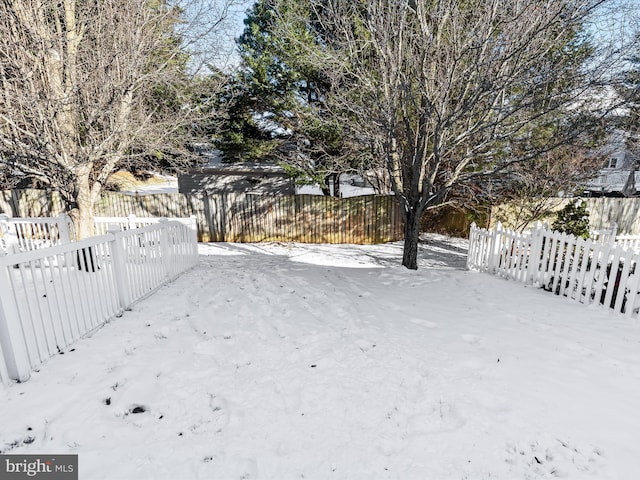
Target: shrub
{"type": "Point", "coordinates": [573, 219]}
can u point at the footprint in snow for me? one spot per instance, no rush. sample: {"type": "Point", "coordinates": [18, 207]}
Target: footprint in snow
{"type": "Point", "coordinates": [365, 345]}
{"type": "Point", "coordinates": [135, 409]}
{"type": "Point", "coordinates": [555, 457]}
{"type": "Point", "coordinates": [442, 417]}
{"type": "Point", "coordinates": [220, 412]}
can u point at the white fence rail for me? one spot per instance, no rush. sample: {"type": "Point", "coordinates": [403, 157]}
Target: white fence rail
{"type": "Point", "coordinates": [629, 241]}
{"type": "Point", "coordinates": [581, 270]}
{"type": "Point", "coordinates": [102, 224]}
{"type": "Point", "coordinates": [26, 234]}
{"type": "Point", "coordinates": [51, 297]}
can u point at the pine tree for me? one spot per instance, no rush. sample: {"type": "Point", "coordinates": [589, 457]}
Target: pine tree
{"type": "Point", "coordinates": [278, 106]}
{"type": "Point", "coordinates": [573, 219]}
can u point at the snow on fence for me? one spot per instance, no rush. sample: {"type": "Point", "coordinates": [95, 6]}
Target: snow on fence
{"type": "Point", "coordinates": [582, 270]}
{"type": "Point", "coordinates": [51, 297]}
{"type": "Point", "coordinates": [25, 234]}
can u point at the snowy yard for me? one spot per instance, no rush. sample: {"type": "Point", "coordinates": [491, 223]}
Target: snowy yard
{"type": "Point", "coordinates": [319, 362]}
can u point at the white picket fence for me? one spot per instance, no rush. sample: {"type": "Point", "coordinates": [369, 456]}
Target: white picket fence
{"type": "Point", "coordinates": [51, 297]}
{"type": "Point", "coordinates": [132, 221]}
{"type": "Point", "coordinates": [25, 234]}
{"type": "Point", "coordinates": [629, 241]}
{"type": "Point", "coordinates": [581, 270]}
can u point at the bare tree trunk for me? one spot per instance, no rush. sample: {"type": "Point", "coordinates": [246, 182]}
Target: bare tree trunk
{"type": "Point", "coordinates": [336, 185]}
{"type": "Point", "coordinates": [81, 209]}
{"type": "Point", "coordinates": [326, 188]}
{"type": "Point", "coordinates": [82, 217]}
{"type": "Point", "coordinates": [412, 216]}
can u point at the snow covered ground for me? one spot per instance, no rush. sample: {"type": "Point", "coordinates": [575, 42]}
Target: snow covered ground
{"type": "Point", "coordinates": [298, 361]}
{"type": "Point", "coordinates": [169, 184]}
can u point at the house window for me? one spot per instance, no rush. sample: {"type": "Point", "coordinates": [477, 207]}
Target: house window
{"type": "Point", "coordinates": [612, 163]}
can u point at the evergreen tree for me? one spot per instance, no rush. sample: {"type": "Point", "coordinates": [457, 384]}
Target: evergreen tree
{"type": "Point", "coordinates": [278, 108]}
{"type": "Point", "coordinates": [573, 219]}
{"type": "Point", "coordinates": [629, 90]}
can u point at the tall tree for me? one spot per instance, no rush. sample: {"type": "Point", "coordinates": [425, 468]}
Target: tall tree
{"type": "Point", "coordinates": [279, 105]}
{"type": "Point", "coordinates": [447, 91]}
{"type": "Point", "coordinates": [629, 90]}
{"type": "Point", "coordinates": [86, 85]}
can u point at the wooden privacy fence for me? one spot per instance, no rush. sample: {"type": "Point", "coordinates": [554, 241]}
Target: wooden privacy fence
{"type": "Point", "coordinates": [581, 270]}
{"type": "Point", "coordinates": [303, 218]}
{"type": "Point", "coordinates": [53, 296]}
{"type": "Point", "coordinates": [238, 217]}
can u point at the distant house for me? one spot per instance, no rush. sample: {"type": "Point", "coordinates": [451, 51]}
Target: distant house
{"type": "Point", "coordinates": [619, 175]}
{"type": "Point", "coordinates": [238, 177]}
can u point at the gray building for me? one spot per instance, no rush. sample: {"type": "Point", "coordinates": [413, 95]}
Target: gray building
{"type": "Point", "coordinates": [619, 176]}
{"type": "Point", "coordinates": [266, 179]}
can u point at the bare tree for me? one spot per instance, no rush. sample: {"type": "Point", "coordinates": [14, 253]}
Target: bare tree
{"type": "Point", "coordinates": [449, 90]}
{"type": "Point", "coordinates": [85, 85]}
{"type": "Point", "coordinates": [533, 190]}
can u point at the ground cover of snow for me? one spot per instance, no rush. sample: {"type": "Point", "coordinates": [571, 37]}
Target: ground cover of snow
{"type": "Point", "coordinates": [290, 361]}
{"type": "Point", "coordinates": [160, 184]}
{"type": "Point", "coordinates": [169, 184]}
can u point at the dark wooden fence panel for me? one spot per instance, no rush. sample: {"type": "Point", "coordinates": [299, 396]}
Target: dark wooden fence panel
{"type": "Point", "coordinates": [237, 217]}
{"type": "Point", "coordinates": [302, 218]}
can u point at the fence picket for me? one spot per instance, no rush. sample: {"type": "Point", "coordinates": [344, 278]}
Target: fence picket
{"type": "Point", "coordinates": [589, 278]}
{"type": "Point", "coordinates": [612, 277]}
{"type": "Point", "coordinates": [574, 268]}
{"type": "Point", "coordinates": [581, 270]}
{"type": "Point", "coordinates": [61, 293]}
{"type": "Point", "coordinates": [634, 286]}
{"type": "Point", "coordinates": [603, 274]}
{"type": "Point", "coordinates": [621, 283]}
{"type": "Point", "coordinates": [588, 246]}
{"type": "Point", "coordinates": [523, 260]}
{"type": "Point", "coordinates": [570, 244]}
{"type": "Point", "coordinates": [550, 260]}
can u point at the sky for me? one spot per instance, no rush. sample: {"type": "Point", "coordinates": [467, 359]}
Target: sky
{"type": "Point", "coordinates": [214, 46]}
{"type": "Point", "coordinates": [615, 19]}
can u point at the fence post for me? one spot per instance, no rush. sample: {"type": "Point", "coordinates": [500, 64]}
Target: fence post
{"type": "Point", "coordinates": [4, 228]}
{"type": "Point", "coordinates": [471, 255]}
{"type": "Point", "coordinates": [494, 248]}
{"type": "Point", "coordinates": [533, 265]}
{"type": "Point", "coordinates": [4, 373]}
{"type": "Point", "coordinates": [131, 219]}
{"type": "Point", "coordinates": [193, 225]}
{"type": "Point", "coordinates": [165, 247]}
{"type": "Point", "coordinates": [119, 265]}
{"type": "Point", "coordinates": [11, 338]}
{"type": "Point", "coordinates": [63, 229]}
{"type": "Point", "coordinates": [12, 241]}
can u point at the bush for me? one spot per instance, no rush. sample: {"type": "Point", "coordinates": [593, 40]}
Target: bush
{"type": "Point", "coordinates": [573, 219]}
